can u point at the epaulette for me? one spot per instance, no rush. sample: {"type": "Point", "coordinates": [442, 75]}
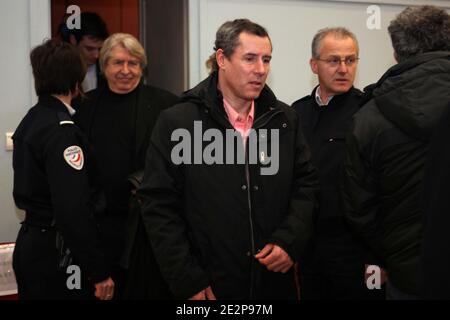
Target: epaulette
{"type": "Point", "coordinates": [64, 118]}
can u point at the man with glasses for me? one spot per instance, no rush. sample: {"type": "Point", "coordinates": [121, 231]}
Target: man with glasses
{"type": "Point", "coordinates": [334, 268]}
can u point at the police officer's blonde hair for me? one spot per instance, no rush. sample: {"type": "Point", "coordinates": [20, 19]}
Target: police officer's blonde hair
{"type": "Point", "coordinates": [128, 42]}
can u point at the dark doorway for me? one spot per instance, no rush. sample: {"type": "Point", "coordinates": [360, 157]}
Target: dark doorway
{"type": "Point", "coordinates": [160, 25]}
{"type": "Point", "coordinates": [164, 34]}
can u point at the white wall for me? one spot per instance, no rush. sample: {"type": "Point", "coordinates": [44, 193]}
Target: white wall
{"type": "Point", "coordinates": [291, 25]}
{"type": "Point", "coordinates": [23, 24]}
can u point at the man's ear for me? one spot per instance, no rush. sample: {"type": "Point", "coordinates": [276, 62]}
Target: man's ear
{"type": "Point", "coordinates": [313, 65]}
{"type": "Point", "coordinates": [73, 40]}
{"type": "Point", "coordinates": [395, 57]}
{"type": "Point", "coordinates": [220, 58]}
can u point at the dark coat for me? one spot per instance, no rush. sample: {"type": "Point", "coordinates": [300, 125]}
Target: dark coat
{"type": "Point", "coordinates": [206, 222]}
{"type": "Point", "coordinates": [325, 129]}
{"type": "Point", "coordinates": [336, 250]}
{"type": "Point", "coordinates": [435, 282]}
{"type": "Point", "coordinates": [150, 102]}
{"type": "Point", "coordinates": [386, 154]}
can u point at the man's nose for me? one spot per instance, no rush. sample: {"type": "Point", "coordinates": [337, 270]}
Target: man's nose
{"type": "Point", "coordinates": [342, 68]}
{"type": "Point", "coordinates": [125, 68]}
{"type": "Point", "coordinates": [260, 67]}
{"type": "Point", "coordinates": [96, 54]}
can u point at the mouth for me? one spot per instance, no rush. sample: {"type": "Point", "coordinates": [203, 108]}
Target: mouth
{"type": "Point", "coordinates": [341, 81]}
{"type": "Point", "coordinates": [125, 79]}
{"type": "Point", "coordinates": [256, 84]}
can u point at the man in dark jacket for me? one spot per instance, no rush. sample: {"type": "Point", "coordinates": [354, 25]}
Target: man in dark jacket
{"type": "Point", "coordinates": [435, 248]}
{"type": "Point", "coordinates": [229, 221]}
{"type": "Point", "coordinates": [334, 269]}
{"type": "Point", "coordinates": [387, 147]}
{"type": "Point", "coordinates": [118, 118]}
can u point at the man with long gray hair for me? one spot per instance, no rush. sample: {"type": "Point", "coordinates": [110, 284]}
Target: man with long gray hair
{"type": "Point", "coordinates": [387, 147]}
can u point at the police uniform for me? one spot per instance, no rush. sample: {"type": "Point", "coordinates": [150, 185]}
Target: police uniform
{"type": "Point", "coordinates": [51, 184]}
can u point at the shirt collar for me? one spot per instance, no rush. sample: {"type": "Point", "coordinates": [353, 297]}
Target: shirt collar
{"type": "Point", "coordinates": [69, 108]}
{"type": "Point", "coordinates": [319, 99]}
{"type": "Point", "coordinates": [233, 115]}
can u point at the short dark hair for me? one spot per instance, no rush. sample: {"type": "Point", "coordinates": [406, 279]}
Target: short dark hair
{"type": "Point", "coordinates": [57, 68]}
{"type": "Point", "coordinates": [92, 25]}
{"type": "Point", "coordinates": [227, 38]}
{"type": "Point", "coordinates": [418, 30]}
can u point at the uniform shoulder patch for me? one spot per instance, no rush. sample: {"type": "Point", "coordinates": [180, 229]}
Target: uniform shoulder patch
{"type": "Point", "coordinates": [73, 155]}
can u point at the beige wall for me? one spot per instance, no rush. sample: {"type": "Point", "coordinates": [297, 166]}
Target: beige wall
{"type": "Point", "coordinates": [292, 25]}
{"type": "Point", "coordinates": [23, 24]}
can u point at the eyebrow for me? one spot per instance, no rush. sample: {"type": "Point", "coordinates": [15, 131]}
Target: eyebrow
{"type": "Point", "coordinates": [255, 55]}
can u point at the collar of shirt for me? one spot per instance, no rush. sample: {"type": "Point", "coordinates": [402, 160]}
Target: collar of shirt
{"type": "Point", "coordinates": [319, 99]}
{"type": "Point", "coordinates": [90, 80]}
{"type": "Point", "coordinates": [241, 125]}
{"type": "Point", "coordinates": [69, 108]}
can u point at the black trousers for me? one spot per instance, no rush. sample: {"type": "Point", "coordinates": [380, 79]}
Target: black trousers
{"type": "Point", "coordinates": [35, 266]}
{"type": "Point", "coordinates": [335, 271]}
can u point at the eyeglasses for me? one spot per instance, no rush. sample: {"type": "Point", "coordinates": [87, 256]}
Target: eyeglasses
{"type": "Point", "coordinates": [336, 61]}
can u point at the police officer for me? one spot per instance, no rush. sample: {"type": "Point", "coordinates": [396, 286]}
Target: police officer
{"type": "Point", "coordinates": [52, 185]}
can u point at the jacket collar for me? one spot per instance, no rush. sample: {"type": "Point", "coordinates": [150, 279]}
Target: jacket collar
{"type": "Point", "coordinates": [336, 98]}
{"type": "Point", "coordinates": [54, 103]}
{"type": "Point", "coordinates": [207, 94]}
{"type": "Point", "coordinates": [372, 90]}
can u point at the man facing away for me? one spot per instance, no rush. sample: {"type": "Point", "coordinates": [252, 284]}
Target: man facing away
{"type": "Point", "coordinates": [388, 144]}
{"type": "Point", "coordinates": [228, 222]}
{"type": "Point", "coordinates": [334, 269]}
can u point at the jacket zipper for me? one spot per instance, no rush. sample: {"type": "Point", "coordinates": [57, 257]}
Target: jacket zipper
{"type": "Point", "coordinates": [247, 174]}
{"type": "Point", "coordinates": [250, 217]}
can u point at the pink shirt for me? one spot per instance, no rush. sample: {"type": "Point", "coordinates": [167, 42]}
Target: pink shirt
{"type": "Point", "coordinates": [238, 122]}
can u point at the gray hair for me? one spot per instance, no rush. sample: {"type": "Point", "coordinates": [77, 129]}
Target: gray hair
{"type": "Point", "coordinates": [128, 42]}
{"type": "Point", "coordinates": [338, 32]}
{"type": "Point", "coordinates": [227, 38]}
{"type": "Point", "coordinates": [418, 30]}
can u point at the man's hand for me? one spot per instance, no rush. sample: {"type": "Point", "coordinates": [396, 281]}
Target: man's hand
{"type": "Point", "coordinates": [274, 258]}
{"type": "Point", "coordinates": [104, 290]}
{"type": "Point", "coordinates": [205, 294]}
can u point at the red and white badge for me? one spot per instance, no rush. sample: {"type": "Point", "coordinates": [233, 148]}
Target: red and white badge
{"type": "Point", "coordinates": [74, 157]}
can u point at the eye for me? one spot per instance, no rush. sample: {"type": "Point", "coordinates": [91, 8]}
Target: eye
{"type": "Point", "coordinates": [133, 64]}
{"type": "Point", "coordinates": [266, 60]}
{"type": "Point", "coordinates": [334, 61]}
